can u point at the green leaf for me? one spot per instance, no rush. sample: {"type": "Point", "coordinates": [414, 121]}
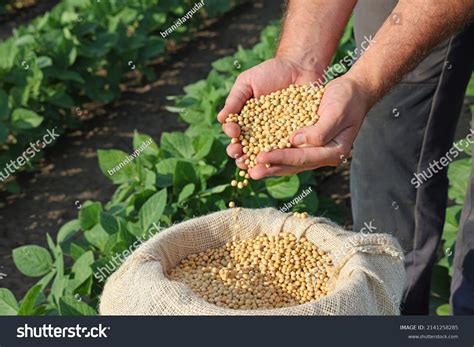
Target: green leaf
{"type": "Point", "coordinates": [443, 310]}
{"type": "Point", "coordinates": [451, 224]}
{"type": "Point", "coordinates": [29, 301]}
{"type": "Point", "coordinates": [25, 119]}
{"type": "Point", "coordinates": [44, 62]}
{"type": "Point", "coordinates": [44, 281]}
{"type": "Point", "coordinates": [150, 147]}
{"type": "Point", "coordinates": [70, 306]}
{"type": "Point", "coordinates": [68, 230]}
{"type": "Point", "coordinates": [82, 269]}
{"type": "Point", "coordinates": [61, 99]}
{"type": "Point", "coordinates": [440, 282]}
{"type": "Point", "coordinates": [165, 169]}
{"type": "Point", "coordinates": [109, 223]}
{"type": "Point", "coordinates": [348, 32]}
{"type": "Point", "coordinates": [89, 215]}
{"type": "Point", "coordinates": [225, 64]}
{"type": "Point", "coordinates": [97, 237]}
{"type": "Point", "coordinates": [155, 47]}
{"type": "Point", "coordinates": [4, 131]}
{"type": "Point", "coordinates": [202, 145]}
{"type": "Point", "coordinates": [177, 144]}
{"type": "Point", "coordinates": [152, 209]}
{"type": "Point", "coordinates": [283, 188]}
{"type": "Point", "coordinates": [184, 174]}
{"type": "Point", "coordinates": [470, 87]}
{"type": "Point", "coordinates": [186, 192]}
{"type": "Point", "coordinates": [59, 285]}
{"type": "Point", "coordinates": [32, 260]}
{"type": "Point", "coordinates": [74, 76]}
{"type": "Point", "coordinates": [8, 52]}
{"type": "Point", "coordinates": [260, 201]}
{"type": "Point", "coordinates": [214, 190]}
{"type": "Point", "coordinates": [4, 105]}
{"type": "Point", "coordinates": [8, 303]}
{"type": "Point", "coordinates": [116, 165]}
{"type": "Point", "coordinates": [310, 203]}
{"type": "Point", "coordinates": [458, 174]}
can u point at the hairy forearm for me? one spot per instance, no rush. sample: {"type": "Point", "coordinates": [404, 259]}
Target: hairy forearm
{"type": "Point", "coordinates": [311, 31]}
{"type": "Point", "coordinates": [399, 47]}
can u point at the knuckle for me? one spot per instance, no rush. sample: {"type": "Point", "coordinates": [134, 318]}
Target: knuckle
{"type": "Point", "coordinates": [319, 139]}
{"type": "Point", "coordinates": [298, 160]}
{"type": "Point", "coordinates": [241, 78]}
{"type": "Point", "coordinates": [344, 150]}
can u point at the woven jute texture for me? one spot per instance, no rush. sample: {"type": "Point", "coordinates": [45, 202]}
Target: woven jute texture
{"type": "Point", "coordinates": [368, 279]}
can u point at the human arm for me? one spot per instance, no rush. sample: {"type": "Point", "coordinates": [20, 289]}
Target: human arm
{"type": "Point", "coordinates": [306, 47]}
{"type": "Point", "coordinates": [396, 50]}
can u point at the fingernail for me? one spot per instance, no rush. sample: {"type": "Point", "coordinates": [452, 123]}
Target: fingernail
{"type": "Point", "coordinates": [299, 140]}
{"type": "Point", "coordinates": [236, 155]}
{"type": "Point", "coordinates": [240, 160]}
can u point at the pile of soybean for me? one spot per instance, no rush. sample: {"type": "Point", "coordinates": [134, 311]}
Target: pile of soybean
{"type": "Point", "coordinates": [268, 122]}
{"type": "Point", "coordinates": [260, 273]}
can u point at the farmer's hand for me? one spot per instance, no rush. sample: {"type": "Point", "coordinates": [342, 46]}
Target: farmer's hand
{"type": "Point", "coordinates": [269, 76]}
{"type": "Point", "coordinates": [328, 142]}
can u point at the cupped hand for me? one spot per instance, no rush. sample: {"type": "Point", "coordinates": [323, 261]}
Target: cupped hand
{"type": "Point", "coordinates": [328, 142]}
{"type": "Point", "coordinates": [269, 76]}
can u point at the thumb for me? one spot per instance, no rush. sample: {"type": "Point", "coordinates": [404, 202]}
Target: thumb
{"type": "Point", "coordinates": [238, 96]}
{"type": "Point", "coordinates": [326, 129]}
{"type": "Point", "coordinates": [317, 135]}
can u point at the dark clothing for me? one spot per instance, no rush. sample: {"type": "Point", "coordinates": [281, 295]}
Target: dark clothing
{"type": "Point", "coordinates": [403, 134]}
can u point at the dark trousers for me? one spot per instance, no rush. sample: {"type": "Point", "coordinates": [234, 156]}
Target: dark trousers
{"type": "Point", "coordinates": [408, 129]}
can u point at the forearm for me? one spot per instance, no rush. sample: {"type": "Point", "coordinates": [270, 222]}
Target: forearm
{"type": "Point", "coordinates": [311, 31]}
{"type": "Point", "coordinates": [398, 48]}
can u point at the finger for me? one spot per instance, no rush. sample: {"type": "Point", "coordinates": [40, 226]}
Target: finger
{"type": "Point", "coordinates": [231, 129]}
{"type": "Point", "coordinates": [234, 150]}
{"type": "Point", "coordinates": [240, 162]}
{"type": "Point", "coordinates": [327, 127]}
{"type": "Point", "coordinates": [300, 157]}
{"type": "Point", "coordinates": [260, 171]}
{"type": "Point", "coordinates": [238, 96]}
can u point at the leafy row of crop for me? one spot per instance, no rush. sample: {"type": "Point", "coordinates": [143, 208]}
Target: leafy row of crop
{"type": "Point", "coordinates": [187, 174]}
{"type": "Point", "coordinates": [79, 53]}
{"type": "Point", "coordinates": [458, 173]}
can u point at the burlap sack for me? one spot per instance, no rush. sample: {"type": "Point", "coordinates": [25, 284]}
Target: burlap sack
{"type": "Point", "coordinates": [369, 272]}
